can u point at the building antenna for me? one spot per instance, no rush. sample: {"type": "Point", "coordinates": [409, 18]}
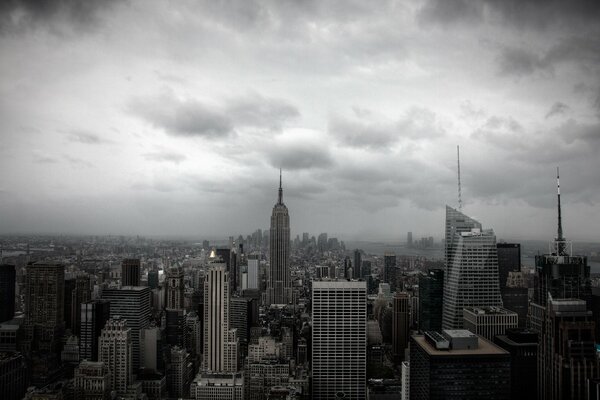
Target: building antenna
{"type": "Point", "coordinates": [459, 189]}
{"type": "Point", "coordinates": [560, 240]}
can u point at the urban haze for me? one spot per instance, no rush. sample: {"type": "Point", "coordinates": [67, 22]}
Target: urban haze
{"type": "Point", "coordinates": [299, 199]}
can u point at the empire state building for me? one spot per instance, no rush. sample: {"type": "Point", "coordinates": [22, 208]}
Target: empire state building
{"type": "Point", "coordinates": [279, 285]}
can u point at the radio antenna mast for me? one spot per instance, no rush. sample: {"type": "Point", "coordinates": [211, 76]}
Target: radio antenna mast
{"type": "Point", "coordinates": [459, 189]}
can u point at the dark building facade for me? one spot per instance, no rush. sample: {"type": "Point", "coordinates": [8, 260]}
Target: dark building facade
{"type": "Point", "coordinates": [131, 273]}
{"type": "Point", "coordinates": [7, 292]}
{"type": "Point", "coordinates": [13, 376]}
{"type": "Point", "coordinates": [357, 272]}
{"type": "Point", "coordinates": [509, 259]}
{"type": "Point", "coordinates": [441, 369]}
{"type": "Point", "coordinates": [400, 326]}
{"type": "Point", "coordinates": [390, 270]}
{"type": "Point", "coordinates": [431, 297]}
{"type": "Point", "coordinates": [522, 344]}
{"type": "Point", "coordinates": [94, 314]}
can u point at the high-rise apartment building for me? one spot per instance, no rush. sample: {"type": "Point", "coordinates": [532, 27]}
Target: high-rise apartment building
{"type": "Point", "coordinates": [400, 325]}
{"type": "Point", "coordinates": [431, 300]}
{"type": "Point", "coordinates": [221, 344]}
{"type": "Point", "coordinates": [94, 315]}
{"type": "Point", "coordinates": [472, 268]}
{"type": "Point", "coordinates": [131, 303]}
{"type": "Point", "coordinates": [279, 286]}
{"type": "Point", "coordinates": [339, 339]}
{"type": "Point", "coordinates": [116, 352]}
{"type": "Point", "coordinates": [131, 272]}
{"type": "Point", "coordinates": [7, 292]}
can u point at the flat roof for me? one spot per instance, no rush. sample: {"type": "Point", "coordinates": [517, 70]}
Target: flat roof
{"type": "Point", "coordinates": [339, 284]}
{"type": "Point", "coordinates": [485, 348]}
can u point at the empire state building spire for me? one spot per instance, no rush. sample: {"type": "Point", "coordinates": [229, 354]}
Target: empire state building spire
{"type": "Point", "coordinates": [280, 200]}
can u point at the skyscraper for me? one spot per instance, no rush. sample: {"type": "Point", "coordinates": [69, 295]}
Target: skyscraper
{"type": "Point", "coordinates": [560, 313]}
{"type": "Point", "coordinates": [389, 270]}
{"type": "Point", "coordinates": [472, 268]}
{"type": "Point", "coordinates": [131, 272]}
{"type": "Point", "coordinates": [357, 270]}
{"type": "Point", "coordinates": [431, 300]}
{"type": "Point", "coordinates": [7, 292]}
{"type": "Point", "coordinates": [220, 343]}
{"type": "Point", "coordinates": [131, 303]}
{"type": "Point", "coordinates": [115, 351]}
{"type": "Point", "coordinates": [175, 289]}
{"type": "Point", "coordinates": [400, 325]}
{"type": "Point", "coordinates": [279, 289]}
{"type": "Point", "coordinates": [94, 315]}
{"type": "Point", "coordinates": [253, 268]}
{"type": "Point", "coordinates": [509, 260]}
{"type": "Point", "coordinates": [339, 339]}
{"type": "Point", "coordinates": [81, 293]}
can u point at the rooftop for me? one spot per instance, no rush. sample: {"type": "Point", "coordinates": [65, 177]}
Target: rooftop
{"type": "Point", "coordinates": [485, 348]}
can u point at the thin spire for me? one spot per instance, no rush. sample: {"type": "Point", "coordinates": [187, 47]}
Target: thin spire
{"type": "Point", "coordinates": [560, 232]}
{"type": "Point", "coordinates": [280, 200]}
{"type": "Point", "coordinates": [459, 189]}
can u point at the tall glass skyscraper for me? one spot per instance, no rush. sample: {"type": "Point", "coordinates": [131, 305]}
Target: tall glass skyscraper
{"type": "Point", "coordinates": [471, 278]}
{"type": "Point", "coordinates": [279, 289]}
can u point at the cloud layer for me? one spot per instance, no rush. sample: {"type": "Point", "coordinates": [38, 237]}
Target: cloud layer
{"type": "Point", "coordinates": [173, 118]}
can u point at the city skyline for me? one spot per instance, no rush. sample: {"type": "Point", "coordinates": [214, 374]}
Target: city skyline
{"type": "Point", "coordinates": [165, 133]}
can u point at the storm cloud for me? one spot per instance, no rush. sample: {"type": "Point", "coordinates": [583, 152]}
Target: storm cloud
{"type": "Point", "coordinates": [173, 118]}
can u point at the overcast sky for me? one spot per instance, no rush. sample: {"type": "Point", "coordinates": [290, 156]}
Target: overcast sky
{"type": "Point", "coordinates": [173, 117]}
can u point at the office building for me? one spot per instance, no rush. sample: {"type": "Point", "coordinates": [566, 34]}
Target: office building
{"type": "Point", "coordinates": [522, 344]}
{"type": "Point", "coordinates": [243, 315]}
{"type": "Point", "coordinates": [94, 315]}
{"type": "Point", "coordinates": [116, 352]}
{"type": "Point", "coordinates": [389, 270]}
{"type": "Point", "coordinates": [180, 373]}
{"type": "Point", "coordinates": [253, 272]}
{"type": "Point", "coordinates": [7, 292]}
{"type": "Point", "coordinates": [431, 300]}
{"type": "Point", "coordinates": [489, 321]}
{"type": "Point", "coordinates": [131, 272]}
{"type": "Point", "coordinates": [175, 321]}
{"type": "Point", "coordinates": [92, 381]}
{"type": "Point", "coordinates": [509, 260]}
{"type": "Point", "coordinates": [405, 378]}
{"type": "Point", "coordinates": [567, 356]}
{"type": "Point", "coordinates": [357, 270]}
{"type": "Point", "coordinates": [175, 289]}
{"type": "Point", "coordinates": [43, 328]}
{"type": "Point", "coordinates": [77, 291]}
{"type": "Point", "coordinates": [472, 268]}
{"type": "Point", "coordinates": [221, 345]}
{"type": "Point", "coordinates": [151, 341]}
{"type": "Point", "coordinates": [193, 332]}
{"type": "Point", "coordinates": [131, 303]}
{"type": "Point", "coordinates": [515, 296]}
{"type": "Point", "coordinates": [218, 386]}
{"type": "Point", "coordinates": [262, 375]}
{"type": "Point", "coordinates": [153, 279]}
{"type": "Point", "coordinates": [279, 286]}
{"type": "Point", "coordinates": [457, 365]}
{"type": "Point", "coordinates": [339, 339]}
{"type": "Point", "coordinates": [400, 326]}
{"type": "Point", "coordinates": [13, 376]}
{"type": "Point", "coordinates": [409, 240]}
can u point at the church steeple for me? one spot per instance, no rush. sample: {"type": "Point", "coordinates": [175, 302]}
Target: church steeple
{"type": "Point", "coordinates": [280, 200]}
